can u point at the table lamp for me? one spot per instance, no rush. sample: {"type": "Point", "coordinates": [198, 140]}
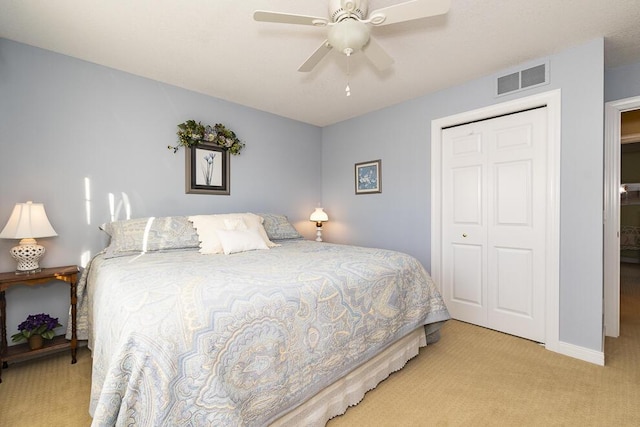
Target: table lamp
{"type": "Point", "coordinates": [27, 222]}
{"type": "Point", "coordinates": [319, 216]}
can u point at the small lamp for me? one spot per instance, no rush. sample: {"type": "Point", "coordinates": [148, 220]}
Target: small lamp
{"type": "Point", "coordinates": [319, 216]}
{"type": "Point", "coordinates": [27, 222]}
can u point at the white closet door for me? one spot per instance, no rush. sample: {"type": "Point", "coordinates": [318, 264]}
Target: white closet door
{"type": "Point", "coordinates": [464, 223]}
{"type": "Point", "coordinates": [494, 222]}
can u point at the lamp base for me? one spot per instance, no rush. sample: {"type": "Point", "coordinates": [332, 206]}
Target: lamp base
{"type": "Point", "coordinates": [319, 234]}
{"type": "Point", "coordinates": [28, 254]}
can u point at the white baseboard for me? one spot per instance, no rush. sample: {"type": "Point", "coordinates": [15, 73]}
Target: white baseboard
{"type": "Point", "coordinates": [577, 352]}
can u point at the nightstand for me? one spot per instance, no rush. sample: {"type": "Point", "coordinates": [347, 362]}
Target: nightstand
{"type": "Point", "coordinates": [68, 274]}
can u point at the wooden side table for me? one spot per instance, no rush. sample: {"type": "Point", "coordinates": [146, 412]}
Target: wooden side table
{"type": "Point", "coordinates": [67, 274]}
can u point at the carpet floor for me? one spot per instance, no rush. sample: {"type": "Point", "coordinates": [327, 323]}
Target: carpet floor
{"type": "Point", "coordinates": [471, 377]}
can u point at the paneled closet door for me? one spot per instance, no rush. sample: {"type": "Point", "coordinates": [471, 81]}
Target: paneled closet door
{"type": "Point", "coordinates": [494, 222]}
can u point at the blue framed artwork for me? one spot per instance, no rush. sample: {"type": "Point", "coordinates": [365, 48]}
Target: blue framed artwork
{"type": "Point", "coordinates": [369, 177]}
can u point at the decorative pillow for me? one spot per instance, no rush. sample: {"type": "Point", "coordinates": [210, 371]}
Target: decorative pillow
{"type": "Point", "coordinates": [278, 227]}
{"type": "Point", "coordinates": [234, 241]}
{"type": "Point", "coordinates": [133, 236]}
{"type": "Point", "coordinates": [235, 224]}
{"type": "Point", "coordinates": [207, 225]}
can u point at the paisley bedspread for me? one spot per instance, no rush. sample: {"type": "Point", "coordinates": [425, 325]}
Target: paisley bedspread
{"type": "Point", "coordinates": [180, 338]}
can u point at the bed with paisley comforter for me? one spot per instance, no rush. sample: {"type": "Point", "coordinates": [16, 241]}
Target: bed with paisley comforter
{"type": "Point", "coordinates": [251, 337]}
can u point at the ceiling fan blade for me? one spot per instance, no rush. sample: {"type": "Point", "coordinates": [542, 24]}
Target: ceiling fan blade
{"type": "Point", "coordinates": [315, 57]}
{"type": "Point", "coordinates": [377, 55]}
{"type": "Point", "coordinates": [407, 11]}
{"type": "Point", "coordinates": [288, 18]}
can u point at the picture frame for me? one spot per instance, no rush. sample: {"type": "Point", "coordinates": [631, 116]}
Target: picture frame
{"type": "Point", "coordinates": [368, 177]}
{"type": "Point", "coordinates": [207, 170]}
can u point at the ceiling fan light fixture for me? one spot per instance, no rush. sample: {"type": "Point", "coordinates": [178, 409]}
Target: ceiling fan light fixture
{"type": "Point", "coordinates": [348, 35]}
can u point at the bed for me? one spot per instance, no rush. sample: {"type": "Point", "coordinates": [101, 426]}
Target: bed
{"type": "Point", "coordinates": [289, 334]}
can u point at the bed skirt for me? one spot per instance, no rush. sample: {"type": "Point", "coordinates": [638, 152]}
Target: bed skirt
{"type": "Point", "coordinates": [350, 390]}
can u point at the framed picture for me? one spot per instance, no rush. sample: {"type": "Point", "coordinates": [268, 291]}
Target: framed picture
{"type": "Point", "coordinates": [207, 170]}
{"type": "Point", "coordinates": [369, 177]}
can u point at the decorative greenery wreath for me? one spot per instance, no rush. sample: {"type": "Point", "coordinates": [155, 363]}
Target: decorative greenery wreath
{"type": "Point", "coordinates": [192, 133]}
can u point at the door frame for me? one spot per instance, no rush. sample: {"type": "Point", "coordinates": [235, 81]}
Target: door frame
{"type": "Point", "coordinates": [612, 115]}
{"type": "Point", "coordinates": [552, 100]}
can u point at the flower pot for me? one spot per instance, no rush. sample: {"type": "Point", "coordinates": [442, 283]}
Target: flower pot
{"type": "Point", "coordinates": [35, 342]}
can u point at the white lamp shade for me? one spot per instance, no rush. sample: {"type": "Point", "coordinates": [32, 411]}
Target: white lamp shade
{"type": "Point", "coordinates": [28, 221]}
{"type": "Point", "coordinates": [319, 215]}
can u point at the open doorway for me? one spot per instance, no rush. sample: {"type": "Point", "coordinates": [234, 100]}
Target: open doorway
{"type": "Point", "coordinates": [630, 187]}
{"type": "Point", "coordinates": [612, 207]}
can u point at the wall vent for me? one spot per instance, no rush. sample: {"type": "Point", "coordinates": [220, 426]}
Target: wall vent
{"type": "Point", "coordinates": [523, 79]}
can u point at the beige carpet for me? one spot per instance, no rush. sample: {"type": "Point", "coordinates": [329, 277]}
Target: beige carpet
{"type": "Point", "coordinates": [472, 377]}
{"type": "Point", "coordinates": [47, 392]}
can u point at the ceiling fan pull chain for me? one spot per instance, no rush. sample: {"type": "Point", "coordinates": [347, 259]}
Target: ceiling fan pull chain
{"type": "Point", "coordinates": [348, 52]}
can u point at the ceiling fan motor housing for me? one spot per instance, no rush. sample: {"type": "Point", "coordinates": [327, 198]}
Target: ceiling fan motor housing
{"type": "Point", "coordinates": [342, 9]}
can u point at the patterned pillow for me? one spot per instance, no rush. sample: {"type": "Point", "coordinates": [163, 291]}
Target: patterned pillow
{"type": "Point", "coordinates": [278, 227]}
{"type": "Point", "coordinates": [134, 236]}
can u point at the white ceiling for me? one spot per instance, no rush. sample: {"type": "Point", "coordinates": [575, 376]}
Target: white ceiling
{"type": "Point", "coordinates": [216, 48]}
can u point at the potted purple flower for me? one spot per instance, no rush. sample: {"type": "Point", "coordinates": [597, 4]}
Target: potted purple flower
{"type": "Point", "coordinates": [36, 328]}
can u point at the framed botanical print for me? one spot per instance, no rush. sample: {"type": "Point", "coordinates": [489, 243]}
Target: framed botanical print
{"type": "Point", "coordinates": [207, 170]}
{"type": "Point", "coordinates": [368, 176]}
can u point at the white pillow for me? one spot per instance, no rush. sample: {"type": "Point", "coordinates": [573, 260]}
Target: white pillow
{"type": "Point", "coordinates": [207, 225]}
{"type": "Point", "coordinates": [235, 224]}
{"type": "Point", "coordinates": [234, 241]}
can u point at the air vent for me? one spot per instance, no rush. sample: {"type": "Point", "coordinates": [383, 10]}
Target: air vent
{"type": "Point", "coordinates": [508, 83]}
{"type": "Point", "coordinates": [524, 79]}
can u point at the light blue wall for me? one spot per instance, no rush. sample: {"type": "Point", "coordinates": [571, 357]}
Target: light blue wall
{"type": "Point", "coordinates": [399, 217]}
{"type": "Point", "coordinates": [622, 82]}
{"type": "Point", "coordinates": [70, 120]}
{"type": "Point", "coordinates": [63, 120]}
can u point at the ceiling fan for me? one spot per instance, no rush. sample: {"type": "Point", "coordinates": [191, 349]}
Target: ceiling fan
{"type": "Point", "coordinates": [349, 26]}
